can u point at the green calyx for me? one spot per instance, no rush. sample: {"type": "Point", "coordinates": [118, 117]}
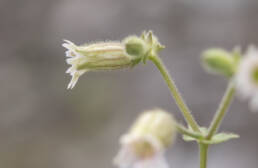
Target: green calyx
{"type": "Point", "coordinates": [143, 47]}
{"type": "Point", "coordinates": [219, 61]}
{"type": "Point", "coordinates": [135, 46]}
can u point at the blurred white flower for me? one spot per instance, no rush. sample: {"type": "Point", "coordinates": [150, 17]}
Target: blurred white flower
{"type": "Point", "coordinates": [145, 144]}
{"type": "Point", "coordinates": [140, 152]}
{"type": "Point", "coordinates": [247, 77]}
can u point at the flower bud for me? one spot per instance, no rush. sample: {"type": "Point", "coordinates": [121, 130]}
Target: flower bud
{"type": "Point", "coordinates": [219, 61]}
{"type": "Point", "coordinates": [144, 47]}
{"type": "Point", "coordinates": [135, 46]}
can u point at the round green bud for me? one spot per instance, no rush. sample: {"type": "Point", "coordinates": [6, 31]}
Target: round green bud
{"type": "Point", "coordinates": [135, 46]}
{"type": "Point", "coordinates": [219, 61]}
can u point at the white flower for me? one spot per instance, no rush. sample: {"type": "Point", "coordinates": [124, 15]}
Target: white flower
{"type": "Point", "coordinates": [140, 152]}
{"type": "Point", "coordinates": [99, 56]}
{"type": "Point", "coordinates": [109, 55]}
{"type": "Point", "coordinates": [145, 144]}
{"type": "Point", "coordinates": [247, 77]}
{"type": "Point", "coordinates": [73, 58]}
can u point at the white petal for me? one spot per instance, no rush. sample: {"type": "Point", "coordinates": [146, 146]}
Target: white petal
{"type": "Point", "coordinates": [125, 157]}
{"type": "Point", "coordinates": [70, 60]}
{"type": "Point", "coordinates": [69, 70]}
{"type": "Point", "coordinates": [245, 83]}
{"type": "Point", "coordinates": [69, 42]}
{"type": "Point", "coordinates": [68, 53]}
{"type": "Point", "coordinates": [158, 161]}
{"type": "Point", "coordinates": [75, 77]}
{"type": "Point", "coordinates": [70, 47]}
{"type": "Point", "coordinates": [67, 46]}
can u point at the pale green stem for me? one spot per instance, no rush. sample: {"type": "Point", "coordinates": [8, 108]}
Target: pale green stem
{"type": "Point", "coordinates": [181, 129]}
{"type": "Point", "coordinates": [224, 105]}
{"type": "Point", "coordinates": [203, 155]}
{"type": "Point", "coordinates": [175, 93]}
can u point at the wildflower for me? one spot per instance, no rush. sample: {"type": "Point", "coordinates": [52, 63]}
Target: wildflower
{"type": "Point", "coordinates": [99, 56]}
{"type": "Point", "coordinates": [247, 77]}
{"type": "Point", "coordinates": [109, 55]}
{"type": "Point", "coordinates": [147, 140]}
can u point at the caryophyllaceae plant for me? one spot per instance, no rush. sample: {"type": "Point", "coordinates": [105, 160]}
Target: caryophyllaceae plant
{"type": "Point", "coordinates": [144, 145]}
{"type": "Point", "coordinates": [108, 55]}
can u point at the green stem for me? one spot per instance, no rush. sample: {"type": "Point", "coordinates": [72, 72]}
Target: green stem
{"type": "Point", "coordinates": [181, 129]}
{"type": "Point", "coordinates": [175, 93]}
{"type": "Point", "coordinates": [224, 105]}
{"type": "Point", "coordinates": [203, 155]}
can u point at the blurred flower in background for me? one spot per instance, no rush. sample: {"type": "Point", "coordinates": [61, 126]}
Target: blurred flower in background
{"type": "Point", "coordinates": [146, 142]}
{"type": "Point", "coordinates": [247, 77]}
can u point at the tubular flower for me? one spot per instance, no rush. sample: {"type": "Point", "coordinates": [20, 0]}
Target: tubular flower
{"type": "Point", "coordinates": [145, 144]}
{"type": "Point", "coordinates": [109, 55]}
{"type": "Point", "coordinates": [247, 77]}
{"type": "Point", "coordinates": [99, 56]}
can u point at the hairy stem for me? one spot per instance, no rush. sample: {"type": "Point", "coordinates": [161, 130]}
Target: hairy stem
{"type": "Point", "coordinates": [203, 155]}
{"type": "Point", "coordinates": [224, 105]}
{"type": "Point", "coordinates": [175, 93]}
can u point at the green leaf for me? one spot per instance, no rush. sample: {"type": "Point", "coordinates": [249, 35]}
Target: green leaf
{"type": "Point", "coordinates": [221, 137]}
{"type": "Point", "coordinates": [188, 138]}
{"type": "Point", "coordinates": [216, 139]}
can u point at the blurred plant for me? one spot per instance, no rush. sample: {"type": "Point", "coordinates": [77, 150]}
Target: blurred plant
{"type": "Point", "coordinates": [154, 131]}
{"type": "Point", "coordinates": [145, 144]}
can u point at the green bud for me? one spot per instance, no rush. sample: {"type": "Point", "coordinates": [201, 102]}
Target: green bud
{"type": "Point", "coordinates": [135, 46]}
{"type": "Point", "coordinates": [145, 46]}
{"type": "Point", "coordinates": [219, 61]}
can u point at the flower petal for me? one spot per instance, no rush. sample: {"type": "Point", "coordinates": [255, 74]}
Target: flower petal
{"type": "Point", "coordinates": [125, 157]}
{"type": "Point", "coordinates": [158, 161]}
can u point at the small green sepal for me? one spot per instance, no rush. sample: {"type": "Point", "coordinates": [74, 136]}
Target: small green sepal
{"type": "Point", "coordinates": [216, 139]}
{"type": "Point", "coordinates": [143, 47]}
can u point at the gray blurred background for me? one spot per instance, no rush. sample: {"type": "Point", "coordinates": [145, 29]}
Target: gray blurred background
{"type": "Point", "coordinates": [43, 125]}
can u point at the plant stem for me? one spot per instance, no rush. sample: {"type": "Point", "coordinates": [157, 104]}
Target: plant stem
{"type": "Point", "coordinates": [175, 93]}
{"type": "Point", "coordinates": [203, 155]}
{"type": "Point", "coordinates": [224, 105]}
{"type": "Point", "coordinates": [181, 129]}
